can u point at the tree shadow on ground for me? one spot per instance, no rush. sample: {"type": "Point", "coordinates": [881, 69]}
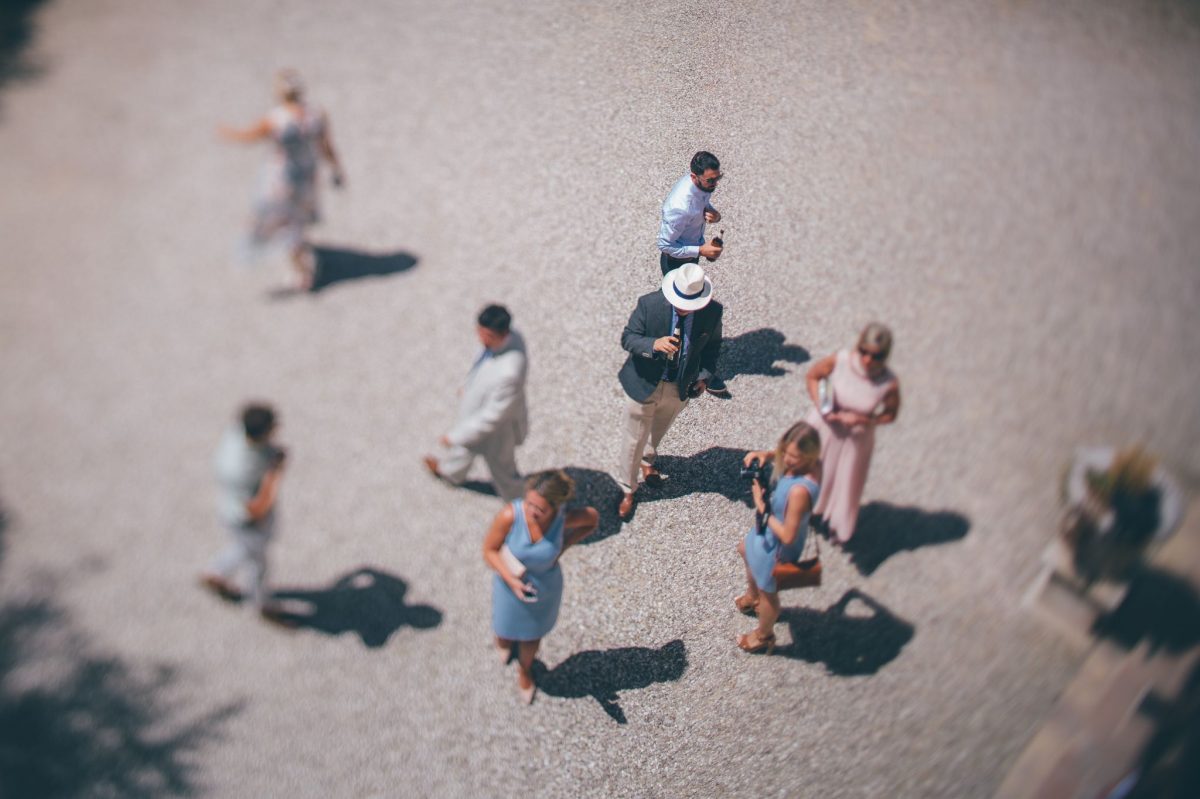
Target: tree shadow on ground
{"type": "Point", "coordinates": [337, 265]}
{"type": "Point", "coordinates": [366, 601]}
{"type": "Point", "coordinates": [848, 641]}
{"type": "Point", "coordinates": [603, 675]}
{"type": "Point", "coordinates": [884, 530]}
{"type": "Point", "coordinates": [1161, 608]}
{"type": "Point", "coordinates": [756, 353]}
{"type": "Point", "coordinates": [75, 724]}
{"type": "Point", "coordinates": [16, 35]}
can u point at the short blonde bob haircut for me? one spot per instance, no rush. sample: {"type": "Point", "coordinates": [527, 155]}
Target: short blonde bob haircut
{"type": "Point", "coordinates": [553, 485]}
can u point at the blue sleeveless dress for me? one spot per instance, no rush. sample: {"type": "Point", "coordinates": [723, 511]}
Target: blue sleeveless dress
{"type": "Point", "coordinates": [764, 551]}
{"type": "Point", "coordinates": [529, 621]}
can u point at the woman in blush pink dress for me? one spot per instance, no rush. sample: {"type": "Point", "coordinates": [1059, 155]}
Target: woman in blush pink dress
{"type": "Point", "coordinates": [865, 395]}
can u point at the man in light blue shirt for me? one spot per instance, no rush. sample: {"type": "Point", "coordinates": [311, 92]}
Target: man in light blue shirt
{"type": "Point", "coordinates": [684, 213]}
{"type": "Point", "coordinates": [681, 234]}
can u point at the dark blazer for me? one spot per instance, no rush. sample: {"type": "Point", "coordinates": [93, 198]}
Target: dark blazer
{"type": "Point", "coordinates": [650, 320]}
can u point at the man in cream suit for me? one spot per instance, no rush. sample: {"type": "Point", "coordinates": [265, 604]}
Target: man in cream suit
{"type": "Point", "coordinates": [492, 418]}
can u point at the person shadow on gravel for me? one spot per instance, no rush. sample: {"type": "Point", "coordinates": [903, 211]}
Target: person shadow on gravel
{"type": "Point", "coordinates": [850, 639]}
{"type": "Point", "coordinates": [603, 675]}
{"type": "Point", "coordinates": [366, 601]}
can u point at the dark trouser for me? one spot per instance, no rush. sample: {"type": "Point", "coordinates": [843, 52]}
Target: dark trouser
{"type": "Point", "coordinates": [668, 263]}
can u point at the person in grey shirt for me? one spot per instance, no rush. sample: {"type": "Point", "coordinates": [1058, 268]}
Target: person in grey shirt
{"type": "Point", "coordinates": [249, 466]}
{"type": "Point", "coordinates": [492, 417]}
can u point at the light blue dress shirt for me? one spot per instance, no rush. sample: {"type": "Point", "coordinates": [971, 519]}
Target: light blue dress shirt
{"type": "Point", "coordinates": [682, 229]}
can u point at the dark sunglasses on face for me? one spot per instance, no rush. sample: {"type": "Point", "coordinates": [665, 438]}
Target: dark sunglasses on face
{"type": "Point", "coordinates": [878, 357]}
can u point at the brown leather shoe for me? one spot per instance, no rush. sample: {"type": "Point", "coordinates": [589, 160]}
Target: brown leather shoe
{"type": "Point", "coordinates": [653, 477]}
{"type": "Point", "coordinates": [220, 587]}
{"type": "Point", "coordinates": [625, 509]}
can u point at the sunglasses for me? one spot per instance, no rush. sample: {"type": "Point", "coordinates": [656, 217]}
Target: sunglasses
{"type": "Point", "coordinates": [878, 357]}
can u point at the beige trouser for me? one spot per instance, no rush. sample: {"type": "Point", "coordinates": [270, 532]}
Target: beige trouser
{"type": "Point", "coordinates": [646, 422]}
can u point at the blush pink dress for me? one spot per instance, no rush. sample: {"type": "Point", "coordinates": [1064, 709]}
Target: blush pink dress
{"type": "Point", "coordinates": [846, 451]}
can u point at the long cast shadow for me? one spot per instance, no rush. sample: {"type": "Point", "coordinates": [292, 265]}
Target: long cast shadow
{"type": "Point", "coordinates": [337, 265]}
{"type": "Point", "coordinates": [848, 642]}
{"type": "Point", "coordinates": [603, 675]}
{"type": "Point", "coordinates": [88, 725]}
{"type": "Point", "coordinates": [884, 530]}
{"type": "Point", "coordinates": [756, 353]}
{"type": "Point", "coordinates": [367, 601]}
{"type": "Point", "coordinates": [16, 35]}
{"type": "Point", "coordinates": [715, 470]}
{"type": "Point", "coordinates": [1161, 608]}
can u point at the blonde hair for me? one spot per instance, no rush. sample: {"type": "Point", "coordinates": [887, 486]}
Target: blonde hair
{"type": "Point", "coordinates": [288, 85]}
{"type": "Point", "coordinates": [553, 485]}
{"type": "Point", "coordinates": [877, 337]}
{"type": "Point", "coordinates": [806, 439]}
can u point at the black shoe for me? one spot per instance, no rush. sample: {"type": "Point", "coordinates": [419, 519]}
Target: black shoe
{"type": "Point", "coordinates": [716, 387]}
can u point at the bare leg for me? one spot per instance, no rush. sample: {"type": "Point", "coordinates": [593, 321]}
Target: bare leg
{"type": "Point", "coordinates": [302, 262]}
{"type": "Point", "coordinates": [750, 598]}
{"type": "Point", "coordinates": [504, 647]}
{"type": "Point", "coordinates": [526, 651]}
{"type": "Point", "coordinates": [768, 613]}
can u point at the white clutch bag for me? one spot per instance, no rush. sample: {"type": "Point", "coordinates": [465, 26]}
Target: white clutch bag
{"type": "Point", "coordinates": [825, 396]}
{"type": "Point", "coordinates": [514, 566]}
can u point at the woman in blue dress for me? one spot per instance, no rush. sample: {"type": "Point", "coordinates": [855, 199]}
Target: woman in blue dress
{"type": "Point", "coordinates": [796, 488]}
{"type": "Point", "coordinates": [522, 547]}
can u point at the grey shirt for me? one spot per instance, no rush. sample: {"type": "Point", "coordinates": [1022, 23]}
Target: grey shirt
{"type": "Point", "coordinates": [240, 466]}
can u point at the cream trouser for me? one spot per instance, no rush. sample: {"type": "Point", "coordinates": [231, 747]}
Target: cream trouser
{"type": "Point", "coordinates": [498, 452]}
{"type": "Point", "coordinates": [646, 423]}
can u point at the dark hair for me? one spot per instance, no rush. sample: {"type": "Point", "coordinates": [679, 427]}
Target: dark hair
{"type": "Point", "coordinates": [704, 161]}
{"type": "Point", "coordinates": [495, 318]}
{"type": "Point", "coordinates": [258, 419]}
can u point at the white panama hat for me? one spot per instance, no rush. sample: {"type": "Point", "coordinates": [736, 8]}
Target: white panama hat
{"type": "Point", "coordinates": [687, 288]}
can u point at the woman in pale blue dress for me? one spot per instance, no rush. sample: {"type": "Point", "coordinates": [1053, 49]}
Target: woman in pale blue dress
{"type": "Point", "coordinates": [286, 204]}
{"type": "Point", "coordinates": [522, 547]}
{"type": "Point", "coordinates": [795, 490]}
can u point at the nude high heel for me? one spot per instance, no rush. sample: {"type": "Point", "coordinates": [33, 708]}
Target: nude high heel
{"type": "Point", "coordinates": [766, 644]}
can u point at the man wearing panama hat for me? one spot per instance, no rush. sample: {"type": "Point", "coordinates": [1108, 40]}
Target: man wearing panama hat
{"type": "Point", "coordinates": [673, 339]}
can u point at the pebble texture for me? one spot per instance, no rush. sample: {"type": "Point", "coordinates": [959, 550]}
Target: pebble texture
{"type": "Point", "coordinates": [1011, 185]}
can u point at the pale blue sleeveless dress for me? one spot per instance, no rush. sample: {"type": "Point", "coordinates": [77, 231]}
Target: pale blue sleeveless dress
{"type": "Point", "coordinates": [529, 621]}
{"type": "Point", "coordinates": [764, 551]}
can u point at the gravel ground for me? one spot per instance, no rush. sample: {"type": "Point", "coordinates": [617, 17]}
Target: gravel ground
{"type": "Point", "coordinates": [1011, 185]}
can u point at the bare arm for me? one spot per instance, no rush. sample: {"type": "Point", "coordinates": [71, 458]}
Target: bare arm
{"type": "Point", "coordinates": [579, 524]}
{"type": "Point", "coordinates": [787, 528]}
{"type": "Point", "coordinates": [268, 489]}
{"type": "Point", "coordinates": [891, 406]}
{"type": "Point", "coordinates": [491, 548]}
{"type": "Point", "coordinates": [818, 372]}
{"type": "Point", "coordinates": [325, 143]}
{"type": "Point", "coordinates": [259, 131]}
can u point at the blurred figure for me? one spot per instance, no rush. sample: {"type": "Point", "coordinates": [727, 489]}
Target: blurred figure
{"type": "Point", "coordinates": [673, 338]}
{"type": "Point", "coordinates": [492, 417]}
{"type": "Point", "coordinates": [249, 466]}
{"type": "Point", "coordinates": [863, 395]}
{"type": "Point", "coordinates": [795, 484]}
{"type": "Point", "coordinates": [523, 547]}
{"type": "Point", "coordinates": [681, 232]}
{"type": "Point", "coordinates": [287, 196]}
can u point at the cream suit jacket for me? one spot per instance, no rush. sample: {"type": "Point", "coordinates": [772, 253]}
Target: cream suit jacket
{"type": "Point", "coordinates": [493, 400]}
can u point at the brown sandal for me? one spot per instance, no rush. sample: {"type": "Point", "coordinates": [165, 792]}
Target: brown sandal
{"type": "Point", "coordinates": [767, 643]}
{"type": "Point", "coordinates": [746, 605]}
